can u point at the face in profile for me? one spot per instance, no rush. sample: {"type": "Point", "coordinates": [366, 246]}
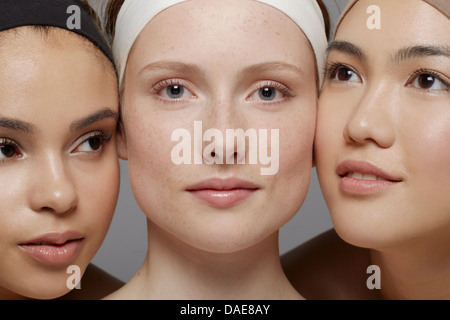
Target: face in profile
{"type": "Point", "coordinates": [58, 161]}
{"type": "Point", "coordinates": [192, 72]}
{"type": "Point", "coordinates": [384, 127]}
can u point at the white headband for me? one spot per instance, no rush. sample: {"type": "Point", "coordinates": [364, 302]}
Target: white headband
{"type": "Point", "coordinates": [136, 14]}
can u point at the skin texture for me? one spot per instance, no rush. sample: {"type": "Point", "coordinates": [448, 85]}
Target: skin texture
{"type": "Point", "coordinates": [55, 179]}
{"type": "Point", "coordinates": [390, 107]}
{"type": "Point", "coordinates": [198, 250]}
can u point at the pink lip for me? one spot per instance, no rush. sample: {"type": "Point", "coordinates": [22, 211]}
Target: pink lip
{"type": "Point", "coordinates": [223, 193]}
{"type": "Point", "coordinates": [363, 186]}
{"type": "Point", "coordinates": [54, 248]}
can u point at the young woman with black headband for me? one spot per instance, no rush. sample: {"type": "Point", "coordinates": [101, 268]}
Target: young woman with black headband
{"type": "Point", "coordinates": [58, 161]}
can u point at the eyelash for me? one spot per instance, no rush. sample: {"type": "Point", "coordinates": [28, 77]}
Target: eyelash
{"type": "Point", "coordinates": [164, 84]}
{"type": "Point", "coordinates": [266, 84]}
{"type": "Point", "coordinates": [331, 69]}
{"type": "Point", "coordinates": [11, 143]}
{"type": "Point", "coordinates": [105, 137]}
{"type": "Point", "coordinates": [432, 73]}
{"type": "Point", "coordinates": [276, 85]}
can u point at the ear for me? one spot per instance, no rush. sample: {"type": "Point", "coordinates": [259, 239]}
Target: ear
{"type": "Point", "coordinates": [121, 145]}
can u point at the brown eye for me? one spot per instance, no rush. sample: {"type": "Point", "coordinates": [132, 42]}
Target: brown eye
{"type": "Point", "coordinates": [425, 81]}
{"type": "Point", "coordinates": [429, 81]}
{"type": "Point", "coordinates": [343, 73]}
{"type": "Point", "coordinates": [92, 143]}
{"type": "Point", "coordinates": [95, 143]}
{"type": "Point", "coordinates": [7, 151]}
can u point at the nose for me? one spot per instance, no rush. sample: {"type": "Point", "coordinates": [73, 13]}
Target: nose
{"type": "Point", "coordinates": [372, 119]}
{"type": "Point", "coordinates": [226, 140]}
{"type": "Point", "coordinates": [52, 187]}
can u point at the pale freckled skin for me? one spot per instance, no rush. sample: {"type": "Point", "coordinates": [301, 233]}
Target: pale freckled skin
{"type": "Point", "coordinates": [254, 43]}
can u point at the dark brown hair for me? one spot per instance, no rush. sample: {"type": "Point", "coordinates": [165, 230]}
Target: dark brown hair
{"type": "Point", "coordinates": [48, 30]}
{"type": "Point", "coordinates": [112, 11]}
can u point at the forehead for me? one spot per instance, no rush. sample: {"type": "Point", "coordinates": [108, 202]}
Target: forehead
{"type": "Point", "coordinates": [57, 76]}
{"type": "Point", "coordinates": [402, 23]}
{"type": "Point", "coordinates": [204, 29]}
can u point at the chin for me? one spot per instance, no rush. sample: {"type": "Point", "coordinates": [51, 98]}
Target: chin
{"type": "Point", "coordinates": [226, 240]}
{"type": "Point", "coordinates": [42, 288]}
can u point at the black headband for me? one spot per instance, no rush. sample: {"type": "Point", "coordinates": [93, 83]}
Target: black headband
{"type": "Point", "coordinates": [53, 13]}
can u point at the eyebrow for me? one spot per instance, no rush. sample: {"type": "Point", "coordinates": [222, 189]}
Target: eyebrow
{"type": "Point", "coordinates": [95, 117]}
{"type": "Point", "coordinates": [270, 67]}
{"type": "Point", "coordinates": [15, 124]}
{"type": "Point", "coordinates": [184, 68]}
{"type": "Point", "coordinates": [421, 52]}
{"type": "Point", "coordinates": [187, 68]}
{"type": "Point", "coordinates": [403, 54]}
{"type": "Point", "coordinates": [347, 47]}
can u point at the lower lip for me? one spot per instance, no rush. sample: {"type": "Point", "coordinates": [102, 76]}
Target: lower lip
{"type": "Point", "coordinates": [53, 255]}
{"type": "Point", "coordinates": [364, 187]}
{"type": "Point", "coordinates": [223, 198]}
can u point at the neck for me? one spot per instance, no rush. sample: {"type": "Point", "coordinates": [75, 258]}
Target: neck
{"type": "Point", "coordinates": [417, 270]}
{"type": "Point", "coordinates": [175, 270]}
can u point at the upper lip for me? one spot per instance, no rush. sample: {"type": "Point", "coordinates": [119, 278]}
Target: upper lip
{"type": "Point", "coordinates": [55, 238]}
{"type": "Point", "coordinates": [364, 167]}
{"type": "Point", "coordinates": [222, 184]}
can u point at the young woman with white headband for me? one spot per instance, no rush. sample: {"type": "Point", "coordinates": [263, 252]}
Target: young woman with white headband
{"type": "Point", "coordinates": [191, 71]}
{"type": "Point", "coordinates": [382, 155]}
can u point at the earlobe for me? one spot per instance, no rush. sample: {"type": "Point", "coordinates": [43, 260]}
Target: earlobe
{"type": "Point", "coordinates": [121, 142]}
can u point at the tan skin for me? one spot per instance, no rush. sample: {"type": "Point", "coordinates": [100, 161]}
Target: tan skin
{"type": "Point", "coordinates": [389, 102]}
{"type": "Point", "coordinates": [58, 112]}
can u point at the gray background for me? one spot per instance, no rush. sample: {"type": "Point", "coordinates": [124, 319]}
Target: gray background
{"type": "Point", "coordinates": [125, 246]}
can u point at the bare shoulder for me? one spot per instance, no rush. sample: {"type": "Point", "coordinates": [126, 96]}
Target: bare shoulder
{"type": "Point", "coordinates": [326, 267]}
{"type": "Point", "coordinates": [95, 284]}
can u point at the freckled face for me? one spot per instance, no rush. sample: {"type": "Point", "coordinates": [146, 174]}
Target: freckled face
{"type": "Point", "coordinates": [231, 65]}
{"type": "Point", "coordinates": [385, 108]}
{"type": "Point", "coordinates": [58, 164]}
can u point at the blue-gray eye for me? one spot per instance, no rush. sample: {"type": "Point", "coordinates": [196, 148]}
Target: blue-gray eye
{"type": "Point", "coordinates": [267, 93]}
{"type": "Point", "coordinates": [175, 91]}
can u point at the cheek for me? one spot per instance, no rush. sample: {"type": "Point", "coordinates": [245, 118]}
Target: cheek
{"type": "Point", "coordinates": [291, 183]}
{"type": "Point", "coordinates": [98, 193]}
{"type": "Point", "coordinates": [428, 152]}
{"type": "Point", "coordinates": [296, 142]}
{"type": "Point", "coordinates": [151, 170]}
{"type": "Point", "coordinates": [14, 203]}
{"type": "Point", "coordinates": [329, 130]}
